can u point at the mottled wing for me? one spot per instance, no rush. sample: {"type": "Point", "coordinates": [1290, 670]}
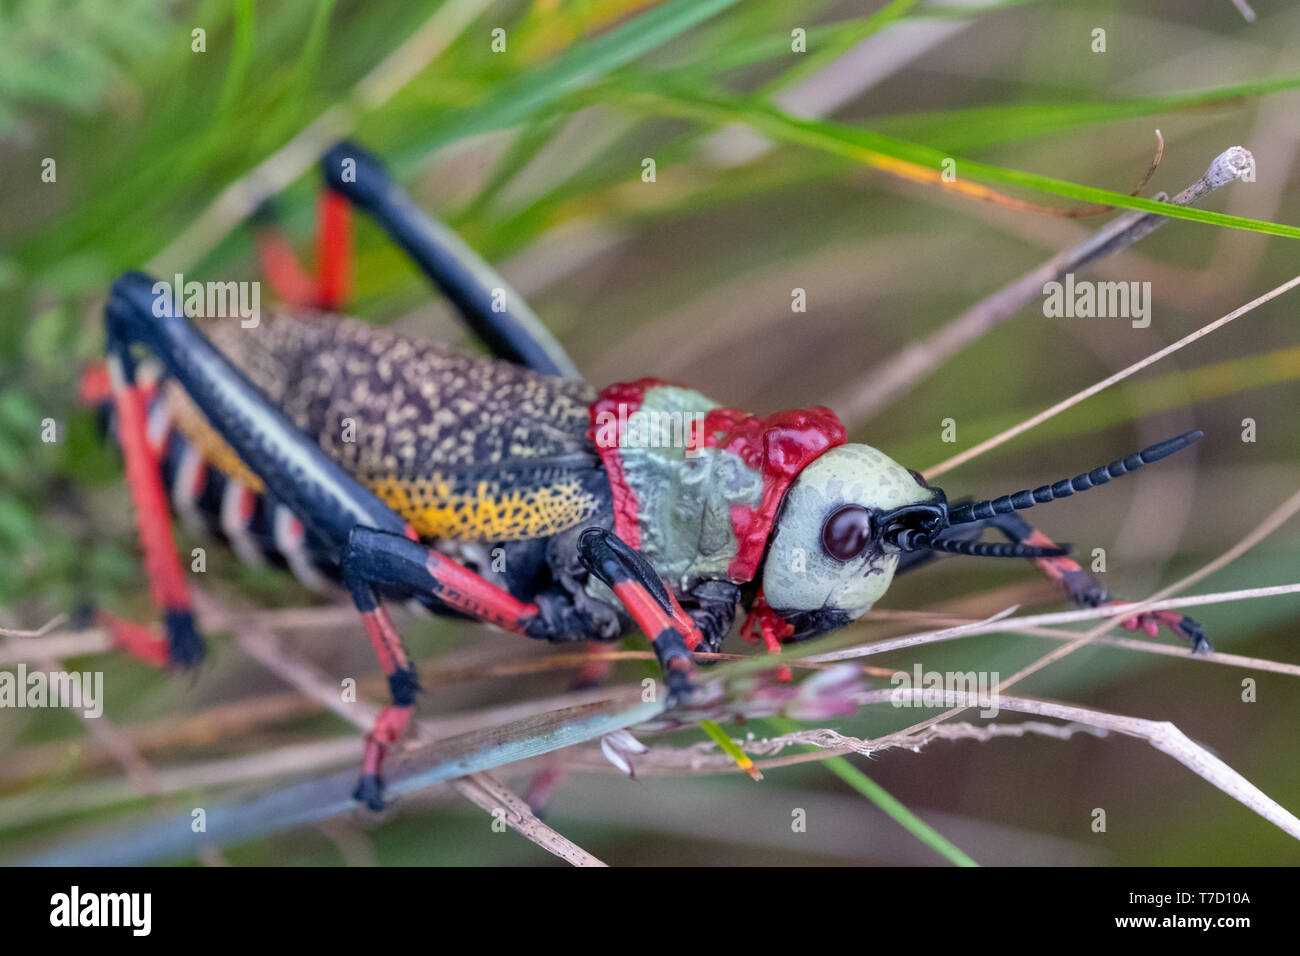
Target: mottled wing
{"type": "Point", "coordinates": [461, 446]}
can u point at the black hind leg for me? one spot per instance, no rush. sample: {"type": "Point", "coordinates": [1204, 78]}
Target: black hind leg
{"type": "Point", "coordinates": [494, 312]}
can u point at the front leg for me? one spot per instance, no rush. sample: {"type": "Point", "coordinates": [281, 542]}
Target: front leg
{"type": "Point", "coordinates": [672, 632]}
{"type": "Point", "coordinates": [1080, 586]}
{"type": "Point", "coordinates": [1086, 591]}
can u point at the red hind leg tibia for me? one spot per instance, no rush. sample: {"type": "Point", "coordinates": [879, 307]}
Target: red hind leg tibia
{"type": "Point", "coordinates": [184, 647]}
{"type": "Point", "coordinates": [333, 250]}
{"type": "Point", "coordinates": [329, 288]}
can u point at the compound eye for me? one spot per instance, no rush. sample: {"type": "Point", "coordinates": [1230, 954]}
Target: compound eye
{"type": "Point", "coordinates": [847, 532]}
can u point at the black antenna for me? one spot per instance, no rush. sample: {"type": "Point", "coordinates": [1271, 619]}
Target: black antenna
{"type": "Point", "coordinates": [995, 549]}
{"type": "Point", "coordinates": [978, 510]}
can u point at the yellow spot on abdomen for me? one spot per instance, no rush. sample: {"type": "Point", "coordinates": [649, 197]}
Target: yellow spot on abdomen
{"type": "Point", "coordinates": [487, 511]}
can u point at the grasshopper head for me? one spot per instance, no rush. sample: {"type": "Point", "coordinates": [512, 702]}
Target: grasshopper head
{"type": "Point", "coordinates": [852, 511]}
{"type": "Point", "coordinates": [834, 547]}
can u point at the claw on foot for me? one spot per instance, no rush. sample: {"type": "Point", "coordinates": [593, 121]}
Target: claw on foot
{"type": "Point", "coordinates": [135, 640]}
{"type": "Point", "coordinates": [765, 625]}
{"type": "Point", "coordinates": [1150, 622]}
{"type": "Point", "coordinates": [182, 646]}
{"type": "Point", "coordinates": [680, 686]}
{"type": "Point", "coordinates": [369, 792]}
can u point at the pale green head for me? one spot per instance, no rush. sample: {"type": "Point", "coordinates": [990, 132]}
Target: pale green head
{"type": "Point", "coordinates": [826, 564]}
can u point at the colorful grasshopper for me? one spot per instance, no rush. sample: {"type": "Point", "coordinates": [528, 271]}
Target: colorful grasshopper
{"type": "Point", "coordinates": [506, 489]}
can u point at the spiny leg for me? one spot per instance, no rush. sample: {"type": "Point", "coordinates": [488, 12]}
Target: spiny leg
{"type": "Point", "coordinates": [403, 685]}
{"type": "Point", "coordinates": [184, 646]}
{"type": "Point", "coordinates": [293, 468]}
{"type": "Point", "coordinates": [374, 548]}
{"type": "Point", "coordinates": [674, 632]}
{"type": "Point", "coordinates": [494, 312]}
{"type": "Point", "coordinates": [400, 564]}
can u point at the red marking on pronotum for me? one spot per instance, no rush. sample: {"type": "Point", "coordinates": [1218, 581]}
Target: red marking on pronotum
{"type": "Point", "coordinates": [605, 409]}
{"type": "Point", "coordinates": [778, 447]}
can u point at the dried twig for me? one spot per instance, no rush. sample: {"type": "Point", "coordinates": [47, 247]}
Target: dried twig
{"type": "Point", "coordinates": [41, 631]}
{"type": "Point", "coordinates": [311, 801]}
{"type": "Point", "coordinates": [487, 792]}
{"type": "Point", "coordinates": [499, 744]}
{"type": "Point", "coordinates": [480, 788]}
{"type": "Point", "coordinates": [1130, 644]}
{"type": "Point", "coordinates": [72, 644]}
{"type": "Point", "coordinates": [889, 379]}
{"type": "Point", "coordinates": [704, 757]}
{"type": "Point", "coordinates": [1024, 426]}
{"type": "Point", "coordinates": [1162, 735]}
{"type": "Point", "coordinates": [1244, 8]}
{"type": "Point", "coordinates": [999, 622]}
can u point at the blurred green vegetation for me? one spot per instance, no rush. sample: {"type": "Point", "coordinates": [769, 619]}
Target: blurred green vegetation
{"type": "Point", "coordinates": [535, 157]}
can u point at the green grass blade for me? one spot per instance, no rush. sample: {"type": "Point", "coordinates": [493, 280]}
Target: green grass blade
{"type": "Point", "coordinates": [904, 817]}
{"type": "Point", "coordinates": [520, 98]}
{"type": "Point", "coordinates": [839, 44]}
{"type": "Point", "coordinates": [890, 804]}
{"type": "Point", "coordinates": [728, 746]}
{"type": "Point", "coordinates": [240, 58]}
{"type": "Point", "coordinates": [875, 149]}
{"type": "Point", "coordinates": [989, 125]}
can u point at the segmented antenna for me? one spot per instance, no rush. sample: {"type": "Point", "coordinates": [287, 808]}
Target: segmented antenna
{"type": "Point", "coordinates": [995, 549]}
{"type": "Point", "coordinates": [977, 511]}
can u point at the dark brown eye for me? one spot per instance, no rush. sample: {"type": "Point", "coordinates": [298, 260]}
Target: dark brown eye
{"type": "Point", "coordinates": [847, 532]}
